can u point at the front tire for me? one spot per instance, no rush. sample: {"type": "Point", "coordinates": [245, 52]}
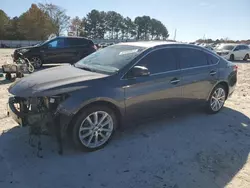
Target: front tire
{"type": "Point", "coordinates": [36, 62]}
{"type": "Point", "coordinates": [94, 128]}
{"type": "Point", "coordinates": [217, 99]}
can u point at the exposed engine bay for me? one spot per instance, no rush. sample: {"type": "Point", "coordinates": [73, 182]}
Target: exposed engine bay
{"type": "Point", "coordinates": [39, 114]}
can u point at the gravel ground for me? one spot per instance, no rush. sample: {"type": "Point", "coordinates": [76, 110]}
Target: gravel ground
{"type": "Point", "coordinates": [190, 149]}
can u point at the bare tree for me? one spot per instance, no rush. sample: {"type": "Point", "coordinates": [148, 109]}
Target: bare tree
{"type": "Point", "coordinates": [76, 26]}
{"type": "Point", "coordinates": [58, 17]}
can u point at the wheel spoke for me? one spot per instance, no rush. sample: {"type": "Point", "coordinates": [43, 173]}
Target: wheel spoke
{"type": "Point", "coordinates": [90, 139]}
{"type": "Point", "coordinates": [95, 118]}
{"type": "Point", "coordinates": [105, 123]}
{"type": "Point", "coordinates": [217, 105]}
{"type": "Point", "coordinates": [85, 128]}
{"type": "Point", "coordinates": [96, 139]}
{"type": "Point", "coordinates": [86, 135]}
{"type": "Point", "coordinates": [219, 93]}
{"type": "Point", "coordinates": [214, 105]}
{"type": "Point", "coordinates": [90, 121]}
{"type": "Point", "coordinates": [102, 135]}
{"type": "Point", "coordinates": [106, 130]}
{"type": "Point", "coordinates": [213, 97]}
{"type": "Point", "coordinates": [103, 118]}
{"type": "Point", "coordinates": [216, 94]}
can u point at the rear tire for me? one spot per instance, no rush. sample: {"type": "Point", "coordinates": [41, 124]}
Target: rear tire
{"type": "Point", "coordinates": [91, 132]}
{"type": "Point", "coordinates": [216, 100]}
{"type": "Point", "coordinates": [231, 57]}
{"type": "Point", "coordinates": [246, 57]}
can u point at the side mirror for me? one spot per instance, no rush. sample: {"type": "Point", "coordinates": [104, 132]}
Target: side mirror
{"type": "Point", "coordinates": [139, 71]}
{"type": "Point", "coordinates": [236, 49]}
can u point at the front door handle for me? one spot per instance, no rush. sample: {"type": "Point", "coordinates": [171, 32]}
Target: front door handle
{"type": "Point", "coordinates": [212, 73]}
{"type": "Point", "coordinates": [175, 81]}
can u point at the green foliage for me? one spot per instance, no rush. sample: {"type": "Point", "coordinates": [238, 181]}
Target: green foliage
{"type": "Point", "coordinates": [4, 22]}
{"type": "Point", "coordinates": [113, 25]}
{"type": "Point", "coordinates": [34, 24]}
{"type": "Point", "coordinates": [42, 20]}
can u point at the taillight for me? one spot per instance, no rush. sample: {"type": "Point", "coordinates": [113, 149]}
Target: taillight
{"type": "Point", "coordinates": [94, 46]}
{"type": "Point", "coordinates": [235, 67]}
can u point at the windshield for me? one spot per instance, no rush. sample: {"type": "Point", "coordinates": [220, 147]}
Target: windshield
{"type": "Point", "coordinates": [226, 47]}
{"type": "Point", "coordinates": [110, 59]}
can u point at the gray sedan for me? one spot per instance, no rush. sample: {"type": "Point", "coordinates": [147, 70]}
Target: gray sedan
{"type": "Point", "coordinates": [120, 84]}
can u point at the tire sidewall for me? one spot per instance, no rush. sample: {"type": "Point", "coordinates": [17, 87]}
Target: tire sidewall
{"type": "Point", "coordinates": [81, 116]}
{"type": "Point", "coordinates": [209, 108]}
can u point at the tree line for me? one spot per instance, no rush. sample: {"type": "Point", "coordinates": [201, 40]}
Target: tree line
{"type": "Point", "coordinates": [225, 40]}
{"type": "Point", "coordinates": [42, 20]}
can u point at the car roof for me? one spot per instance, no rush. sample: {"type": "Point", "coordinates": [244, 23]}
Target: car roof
{"type": "Point", "coordinates": [147, 44]}
{"type": "Point", "coordinates": [152, 44]}
{"type": "Point", "coordinates": [73, 37]}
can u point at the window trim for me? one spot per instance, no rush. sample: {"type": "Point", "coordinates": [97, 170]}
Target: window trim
{"type": "Point", "coordinates": [123, 77]}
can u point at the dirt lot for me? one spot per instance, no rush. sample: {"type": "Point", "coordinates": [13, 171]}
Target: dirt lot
{"type": "Point", "coordinates": [188, 150]}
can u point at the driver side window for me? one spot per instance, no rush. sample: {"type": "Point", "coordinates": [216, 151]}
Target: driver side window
{"type": "Point", "coordinates": [159, 61]}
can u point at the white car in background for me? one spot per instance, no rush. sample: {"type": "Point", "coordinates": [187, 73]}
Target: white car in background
{"type": "Point", "coordinates": [233, 51]}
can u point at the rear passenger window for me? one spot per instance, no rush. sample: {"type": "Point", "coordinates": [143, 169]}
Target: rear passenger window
{"type": "Point", "coordinates": [190, 58]}
{"type": "Point", "coordinates": [159, 61]}
{"type": "Point", "coordinates": [244, 47]}
{"type": "Point", "coordinates": [77, 42]}
{"type": "Point", "coordinates": [212, 60]}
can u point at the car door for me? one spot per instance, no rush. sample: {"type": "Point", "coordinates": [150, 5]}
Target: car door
{"type": "Point", "coordinates": [150, 95]}
{"type": "Point", "coordinates": [197, 75]}
{"type": "Point", "coordinates": [238, 52]}
{"type": "Point", "coordinates": [245, 51]}
{"type": "Point", "coordinates": [56, 51]}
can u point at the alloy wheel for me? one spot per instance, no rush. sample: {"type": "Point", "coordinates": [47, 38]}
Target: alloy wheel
{"type": "Point", "coordinates": [36, 62]}
{"type": "Point", "coordinates": [96, 129]}
{"type": "Point", "coordinates": [218, 99]}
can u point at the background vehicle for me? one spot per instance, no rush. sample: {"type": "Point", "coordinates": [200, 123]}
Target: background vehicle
{"type": "Point", "coordinates": [57, 50]}
{"type": "Point", "coordinates": [120, 83]}
{"type": "Point", "coordinates": [233, 51]}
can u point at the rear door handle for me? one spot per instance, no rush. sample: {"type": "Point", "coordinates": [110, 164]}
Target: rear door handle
{"type": "Point", "coordinates": [175, 81]}
{"type": "Point", "coordinates": [212, 73]}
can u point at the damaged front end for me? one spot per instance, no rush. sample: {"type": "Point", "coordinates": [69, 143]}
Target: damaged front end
{"type": "Point", "coordinates": [40, 115]}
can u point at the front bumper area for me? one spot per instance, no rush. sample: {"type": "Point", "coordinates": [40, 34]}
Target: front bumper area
{"type": "Point", "coordinates": [40, 118]}
{"type": "Point", "coordinates": [33, 114]}
{"type": "Point", "coordinates": [17, 115]}
{"type": "Point", "coordinates": [14, 113]}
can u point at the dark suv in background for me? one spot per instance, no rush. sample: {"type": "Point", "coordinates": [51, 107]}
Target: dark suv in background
{"type": "Point", "coordinates": [57, 50]}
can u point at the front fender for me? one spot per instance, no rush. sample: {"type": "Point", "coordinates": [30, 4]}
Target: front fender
{"type": "Point", "coordinates": [79, 100]}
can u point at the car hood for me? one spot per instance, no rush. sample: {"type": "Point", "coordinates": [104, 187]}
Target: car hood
{"type": "Point", "coordinates": [53, 81]}
{"type": "Point", "coordinates": [26, 47]}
